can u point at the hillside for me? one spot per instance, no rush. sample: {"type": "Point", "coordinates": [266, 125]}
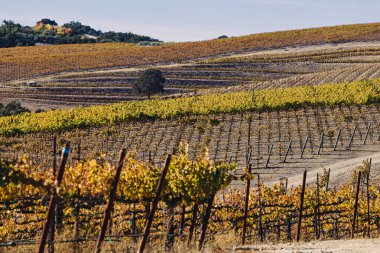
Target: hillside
{"type": "Point", "coordinates": [276, 68]}
{"type": "Point", "coordinates": [17, 62]}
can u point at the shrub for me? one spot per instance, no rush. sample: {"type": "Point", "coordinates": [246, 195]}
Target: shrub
{"type": "Point", "coordinates": [151, 81]}
{"type": "Point", "coordinates": [13, 108]}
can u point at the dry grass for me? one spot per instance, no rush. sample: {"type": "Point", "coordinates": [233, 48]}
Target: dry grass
{"type": "Point", "coordinates": [220, 244]}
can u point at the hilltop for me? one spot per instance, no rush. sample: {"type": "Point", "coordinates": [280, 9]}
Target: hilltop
{"type": "Point", "coordinates": [47, 31]}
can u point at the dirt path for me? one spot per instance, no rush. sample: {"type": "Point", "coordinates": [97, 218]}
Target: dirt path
{"type": "Point", "coordinates": [340, 171]}
{"type": "Point", "coordinates": [333, 246]}
{"type": "Point", "coordinates": [313, 48]}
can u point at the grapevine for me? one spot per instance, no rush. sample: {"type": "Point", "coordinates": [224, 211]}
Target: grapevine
{"type": "Point", "coordinates": [359, 92]}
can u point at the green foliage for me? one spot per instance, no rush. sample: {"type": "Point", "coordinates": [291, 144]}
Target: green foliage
{"type": "Point", "coordinates": [79, 29]}
{"type": "Point", "coordinates": [47, 31]}
{"type": "Point", "coordinates": [47, 21]}
{"type": "Point", "coordinates": [187, 181]}
{"type": "Point", "coordinates": [12, 34]}
{"type": "Point", "coordinates": [195, 181]}
{"type": "Point", "coordinates": [10, 174]}
{"type": "Point", "coordinates": [360, 92]}
{"type": "Point", "coordinates": [151, 81]}
{"type": "Point", "coordinates": [12, 108]}
{"type": "Point", "coordinates": [124, 37]}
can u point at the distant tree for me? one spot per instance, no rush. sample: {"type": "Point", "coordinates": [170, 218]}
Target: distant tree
{"type": "Point", "coordinates": [47, 21]}
{"type": "Point", "coordinates": [12, 34]}
{"type": "Point", "coordinates": [223, 37]}
{"type": "Point", "coordinates": [151, 81]}
{"type": "Point", "coordinates": [79, 29]}
{"type": "Point", "coordinates": [12, 108]}
{"type": "Point", "coordinates": [124, 37]}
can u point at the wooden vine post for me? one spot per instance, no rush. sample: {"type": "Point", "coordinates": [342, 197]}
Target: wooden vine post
{"type": "Point", "coordinates": [52, 224]}
{"type": "Point", "coordinates": [269, 155]}
{"type": "Point", "coordinates": [249, 150]}
{"type": "Point", "coordinates": [367, 133]}
{"type": "Point", "coordinates": [352, 137]}
{"type": "Point", "coordinates": [58, 223]}
{"type": "Point", "coordinates": [182, 220]}
{"type": "Point", "coordinates": [328, 179]}
{"type": "Point", "coordinates": [55, 155]}
{"type": "Point", "coordinates": [304, 146]}
{"type": "Point", "coordinates": [247, 188]}
{"type": "Point", "coordinates": [170, 230]}
{"type": "Point", "coordinates": [205, 220]}
{"type": "Point", "coordinates": [112, 196]}
{"type": "Point", "coordinates": [159, 189]}
{"type": "Point", "coordinates": [288, 228]}
{"type": "Point", "coordinates": [337, 139]}
{"type": "Point", "coordinates": [301, 206]}
{"type": "Point", "coordinates": [193, 222]}
{"type": "Point", "coordinates": [287, 151]}
{"type": "Point", "coordinates": [260, 223]}
{"type": "Point", "coordinates": [356, 204]}
{"type": "Point", "coordinates": [53, 198]}
{"type": "Point", "coordinates": [319, 225]}
{"type": "Point", "coordinates": [321, 143]}
{"type": "Point", "coordinates": [206, 216]}
{"type": "Point", "coordinates": [368, 201]}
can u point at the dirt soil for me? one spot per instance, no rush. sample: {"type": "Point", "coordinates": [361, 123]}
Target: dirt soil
{"type": "Point", "coordinates": [341, 171]}
{"type": "Point", "coordinates": [339, 246]}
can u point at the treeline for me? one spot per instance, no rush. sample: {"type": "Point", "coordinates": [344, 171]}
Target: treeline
{"type": "Point", "coordinates": [47, 31]}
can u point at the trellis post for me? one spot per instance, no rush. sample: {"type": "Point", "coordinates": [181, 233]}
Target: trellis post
{"type": "Point", "coordinates": [112, 196]}
{"type": "Point", "coordinates": [352, 137]}
{"type": "Point", "coordinates": [247, 190]}
{"type": "Point", "coordinates": [269, 155]}
{"type": "Point", "coordinates": [367, 133]}
{"type": "Point", "coordinates": [321, 143]}
{"type": "Point", "coordinates": [356, 205]}
{"type": "Point", "coordinates": [159, 189]}
{"type": "Point", "coordinates": [53, 198]}
{"type": "Point", "coordinates": [304, 146]}
{"type": "Point", "coordinates": [287, 151]}
{"type": "Point", "coordinates": [337, 139]}
{"type": "Point", "coordinates": [301, 206]}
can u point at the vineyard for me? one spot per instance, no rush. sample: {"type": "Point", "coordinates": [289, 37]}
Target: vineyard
{"type": "Point", "coordinates": [342, 131]}
{"type": "Point", "coordinates": [362, 92]}
{"type": "Point", "coordinates": [70, 76]}
{"type": "Point", "coordinates": [263, 139]}
{"type": "Point", "coordinates": [190, 205]}
{"type": "Point", "coordinates": [255, 71]}
{"type": "Point", "coordinates": [314, 137]}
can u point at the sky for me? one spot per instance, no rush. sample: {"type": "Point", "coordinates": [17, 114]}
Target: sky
{"type": "Point", "coordinates": [191, 20]}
